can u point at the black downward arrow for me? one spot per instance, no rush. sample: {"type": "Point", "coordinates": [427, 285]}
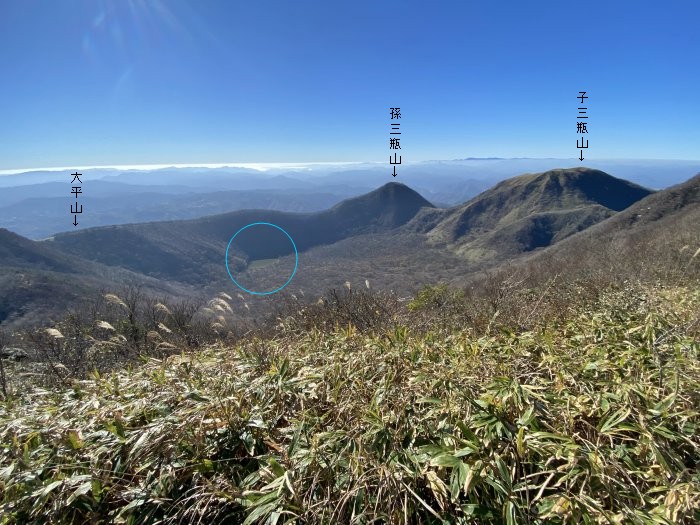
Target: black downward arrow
{"type": "Point", "coordinates": [581, 157]}
{"type": "Point", "coordinates": [394, 174]}
{"type": "Point", "coordinates": [75, 220]}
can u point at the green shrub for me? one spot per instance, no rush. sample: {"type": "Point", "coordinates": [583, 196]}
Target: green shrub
{"type": "Point", "coordinates": [590, 419]}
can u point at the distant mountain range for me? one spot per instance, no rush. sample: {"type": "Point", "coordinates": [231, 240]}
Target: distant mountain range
{"type": "Point", "coordinates": [35, 204]}
{"type": "Point", "coordinates": [36, 212]}
{"type": "Point", "coordinates": [392, 236]}
{"type": "Point", "coordinates": [192, 251]}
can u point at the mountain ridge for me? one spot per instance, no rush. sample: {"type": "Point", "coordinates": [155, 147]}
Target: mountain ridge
{"type": "Point", "coordinates": [385, 208]}
{"type": "Point", "coordinates": [518, 214]}
{"type": "Point", "coordinates": [655, 217]}
{"type": "Point", "coordinates": [387, 236]}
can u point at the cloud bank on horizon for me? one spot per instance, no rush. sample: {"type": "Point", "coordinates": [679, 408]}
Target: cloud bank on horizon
{"type": "Point", "coordinates": [258, 166]}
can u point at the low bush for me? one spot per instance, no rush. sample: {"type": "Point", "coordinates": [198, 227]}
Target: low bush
{"type": "Point", "coordinates": [592, 418]}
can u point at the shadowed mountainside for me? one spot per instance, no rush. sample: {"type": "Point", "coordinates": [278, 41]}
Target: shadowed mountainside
{"type": "Point", "coordinates": [528, 212]}
{"type": "Point", "coordinates": [392, 237]}
{"type": "Point", "coordinates": [507, 222]}
{"type": "Point", "coordinates": [19, 252]}
{"type": "Point", "coordinates": [40, 217]}
{"type": "Point", "coordinates": [37, 280]}
{"type": "Point", "coordinates": [651, 232]}
{"type": "Point", "coordinates": [192, 251]}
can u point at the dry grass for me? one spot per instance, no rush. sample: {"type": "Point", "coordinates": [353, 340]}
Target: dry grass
{"type": "Point", "coordinates": [593, 419]}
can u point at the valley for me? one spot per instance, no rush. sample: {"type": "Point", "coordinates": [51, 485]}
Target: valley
{"type": "Point", "coordinates": [391, 237]}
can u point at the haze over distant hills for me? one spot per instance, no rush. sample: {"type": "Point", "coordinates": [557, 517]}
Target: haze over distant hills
{"type": "Point", "coordinates": [516, 216]}
{"type": "Point", "coordinates": [191, 251]}
{"type": "Point", "coordinates": [114, 203]}
{"type": "Point", "coordinates": [392, 236]}
{"type": "Point", "coordinates": [35, 204]}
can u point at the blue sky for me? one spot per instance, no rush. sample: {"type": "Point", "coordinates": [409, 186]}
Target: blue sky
{"type": "Point", "coordinates": [89, 82]}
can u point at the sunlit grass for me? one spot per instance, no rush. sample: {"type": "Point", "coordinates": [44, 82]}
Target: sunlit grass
{"type": "Point", "coordinates": [261, 263]}
{"type": "Point", "coordinates": [593, 419]}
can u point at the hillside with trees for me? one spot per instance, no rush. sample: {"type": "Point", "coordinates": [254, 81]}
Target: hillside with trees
{"type": "Point", "coordinates": [562, 388]}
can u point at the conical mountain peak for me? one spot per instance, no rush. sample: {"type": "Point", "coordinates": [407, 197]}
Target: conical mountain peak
{"type": "Point", "coordinates": [390, 205]}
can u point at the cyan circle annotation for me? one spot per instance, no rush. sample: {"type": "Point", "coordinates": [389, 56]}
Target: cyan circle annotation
{"type": "Point", "coordinates": [296, 258]}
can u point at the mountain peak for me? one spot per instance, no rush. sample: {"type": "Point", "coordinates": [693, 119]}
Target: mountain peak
{"type": "Point", "coordinates": [393, 186]}
{"type": "Point", "coordinates": [565, 188]}
{"type": "Point", "coordinates": [397, 190]}
{"type": "Point", "coordinates": [178, 251]}
{"type": "Point", "coordinates": [663, 223]}
{"type": "Point", "coordinates": [534, 210]}
{"type": "Point", "coordinates": [389, 206]}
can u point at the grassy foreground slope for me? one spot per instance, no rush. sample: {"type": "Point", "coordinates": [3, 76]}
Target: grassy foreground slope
{"type": "Point", "coordinates": [592, 418]}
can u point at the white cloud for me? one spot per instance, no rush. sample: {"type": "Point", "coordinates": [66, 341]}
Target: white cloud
{"type": "Point", "coordinates": [260, 166]}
